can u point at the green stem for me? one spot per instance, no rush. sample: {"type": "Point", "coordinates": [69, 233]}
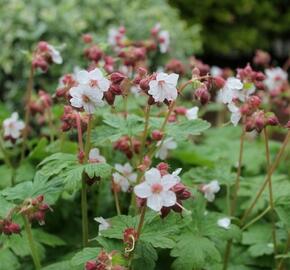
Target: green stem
{"type": "Point", "coordinates": [32, 245]}
{"type": "Point", "coordinates": [234, 200]}
{"type": "Point", "coordinates": [145, 131]}
{"type": "Point", "coordinates": [117, 203]}
{"type": "Point", "coordinates": [84, 202]}
{"type": "Point", "coordinates": [271, 197]}
{"type": "Point", "coordinates": [269, 174]}
{"type": "Point", "coordinates": [84, 199]}
{"type": "Point", "coordinates": [280, 266]}
{"type": "Point", "coordinates": [254, 220]}
{"type": "Point", "coordinates": [27, 112]}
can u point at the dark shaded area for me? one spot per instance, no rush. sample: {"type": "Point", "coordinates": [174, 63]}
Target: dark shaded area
{"type": "Point", "coordinates": [233, 30]}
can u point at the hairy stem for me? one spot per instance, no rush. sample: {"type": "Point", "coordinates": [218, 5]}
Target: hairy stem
{"type": "Point", "coordinates": [117, 203]}
{"type": "Point", "coordinates": [32, 245]}
{"type": "Point", "coordinates": [269, 174]}
{"type": "Point", "coordinates": [27, 111]}
{"type": "Point", "coordinates": [235, 196]}
{"type": "Point", "coordinates": [271, 197]}
{"type": "Point", "coordinates": [141, 221]}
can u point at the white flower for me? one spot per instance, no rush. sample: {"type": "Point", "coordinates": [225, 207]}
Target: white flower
{"type": "Point", "coordinates": [156, 189]}
{"type": "Point", "coordinates": [12, 126]}
{"type": "Point", "coordinates": [210, 189]}
{"type": "Point", "coordinates": [136, 91]}
{"type": "Point", "coordinates": [230, 90]}
{"type": "Point", "coordinates": [224, 223]}
{"type": "Point", "coordinates": [95, 156]}
{"type": "Point", "coordinates": [167, 144]}
{"type": "Point", "coordinates": [275, 78]}
{"type": "Point", "coordinates": [115, 36]}
{"type": "Point", "coordinates": [235, 113]}
{"type": "Point", "coordinates": [104, 224]}
{"type": "Point", "coordinates": [90, 91]}
{"type": "Point", "coordinates": [164, 87]}
{"type": "Point", "coordinates": [55, 54]}
{"type": "Point", "coordinates": [216, 71]}
{"type": "Point", "coordinates": [192, 113]}
{"type": "Point", "coordinates": [125, 177]}
{"type": "Point", "coordinates": [164, 39]}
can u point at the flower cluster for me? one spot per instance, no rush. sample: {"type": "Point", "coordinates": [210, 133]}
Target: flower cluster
{"type": "Point", "coordinates": [44, 55]}
{"type": "Point", "coordinates": [8, 227]}
{"type": "Point", "coordinates": [35, 209]}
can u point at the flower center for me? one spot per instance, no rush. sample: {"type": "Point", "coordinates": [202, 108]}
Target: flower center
{"type": "Point", "coordinates": [85, 98]}
{"type": "Point", "coordinates": [156, 188]}
{"type": "Point", "coordinates": [93, 83]}
{"type": "Point", "coordinates": [161, 83]}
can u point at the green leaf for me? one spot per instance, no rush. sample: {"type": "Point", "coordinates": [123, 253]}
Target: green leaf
{"type": "Point", "coordinates": [85, 255]}
{"type": "Point", "coordinates": [8, 260]}
{"type": "Point", "coordinates": [194, 252]}
{"type": "Point", "coordinates": [102, 170]}
{"type": "Point", "coordinates": [63, 265]}
{"type": "Point", "coordinates": [145, 256]}
{"type": "Point", "coordinates": [182, 130]}
{"type": "Point", "coordinates": [47, 238]}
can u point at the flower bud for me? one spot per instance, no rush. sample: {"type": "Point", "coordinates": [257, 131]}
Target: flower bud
{"type": "Point", "coordinates": [180, 110]}
{"type": "Point", "coordinates": [91, 265]}
{"type": "Point", "coordinates": [115, 89]}
{"type": "Point", "coordinates": [87, 38]}
{"type": "Point", "coordinates": [109, 97]}
{"type": "Point", "coordinates": [117, 77]}
{"type": "Point", "coordinates": [219, 82]}
{"type": "Point", "coordinates": [157, 135]}
{"type": "Point", "coordinates": [272, 120]}
{"type": "Point", "coordinates": [202, 95]}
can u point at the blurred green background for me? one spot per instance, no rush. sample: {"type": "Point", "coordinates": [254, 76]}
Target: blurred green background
{"type": "Point", "coordinates": [223, 32]}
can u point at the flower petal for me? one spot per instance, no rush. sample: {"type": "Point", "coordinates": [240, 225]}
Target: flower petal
{"type": "Point", "coordinates": [155, 202]}
{"type": "Point", "coordinates": [143, 190]}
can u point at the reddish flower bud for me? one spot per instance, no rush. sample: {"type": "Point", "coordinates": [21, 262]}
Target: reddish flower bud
{"type": "Point", "coordinates": [91, 265]}
{"type": "Point", "coordinates": [180, 110]}
{"type": "Point", "coordinates": [219, 82]}
{"type": "Point", "coordinates": [202, 95]}
{"type": "Point", "coordinates": [42, 46]}
{"type": "Point", "coordinates": [157, 135]}
{"type": "Point", "coordinates": [163, 168]}
{"type": "Point", "coordinates": [142, 71]}
{"type": "Point", "coordinates": [14, 228]}
{"type": "Point", "coordinates": [117, 77]}
{"type": "Point", "coordinates": [272, 120]}
{"type": "Point", "coordinates": [115, 89]}
{"type": "Point", "coordinates": [87, 38]}
{"type": "Point", "coordinates": [109, 97]}
{"type": "Point", "coordinates": [255, 101]}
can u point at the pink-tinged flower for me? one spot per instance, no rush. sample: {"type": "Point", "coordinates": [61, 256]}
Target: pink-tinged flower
{"type": "Point", "coordinates": [164, 41]}
{"type": "Point", "coordinates": [224, 223]}
{"type": "Point", "coordinates": [156, 189]}
{"type": "Point", "coordinates": [95, 156]}
{"type": "Point", "coordinates": [210, 190]}
{"type": "Point", "coordinates": [164, 87]}
{"type": "Point", "coordinates": [230, 90]}
{"type": "Point", "coordinates": [216, 71]}
{"type": "Point", "coordinates": [116, 36]}
{"type": "Point", "coordinates": [90, 91]}
{"type": "Point", "coordinates": [275, 78]}
{"type": "Point", "coordinates": [124, 177]}
{"type": "Point", "coordinates": [235, 113]}
{"type": "Point", "coordinates": [13, 127]}
{"type": "Point", "coordinates": [168, 144]}
{"type": "Point", "coordinates": [103, 224]}
{"type": "Point", "coordinates": [55, 54]}
{"type": "Point", "coordinates": [192, 114]}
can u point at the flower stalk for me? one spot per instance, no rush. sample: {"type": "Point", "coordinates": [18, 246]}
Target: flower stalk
{"type": "Point", "coordinates": [31, 242]}
{"type": "Point", "coordinates": [27, 111]}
